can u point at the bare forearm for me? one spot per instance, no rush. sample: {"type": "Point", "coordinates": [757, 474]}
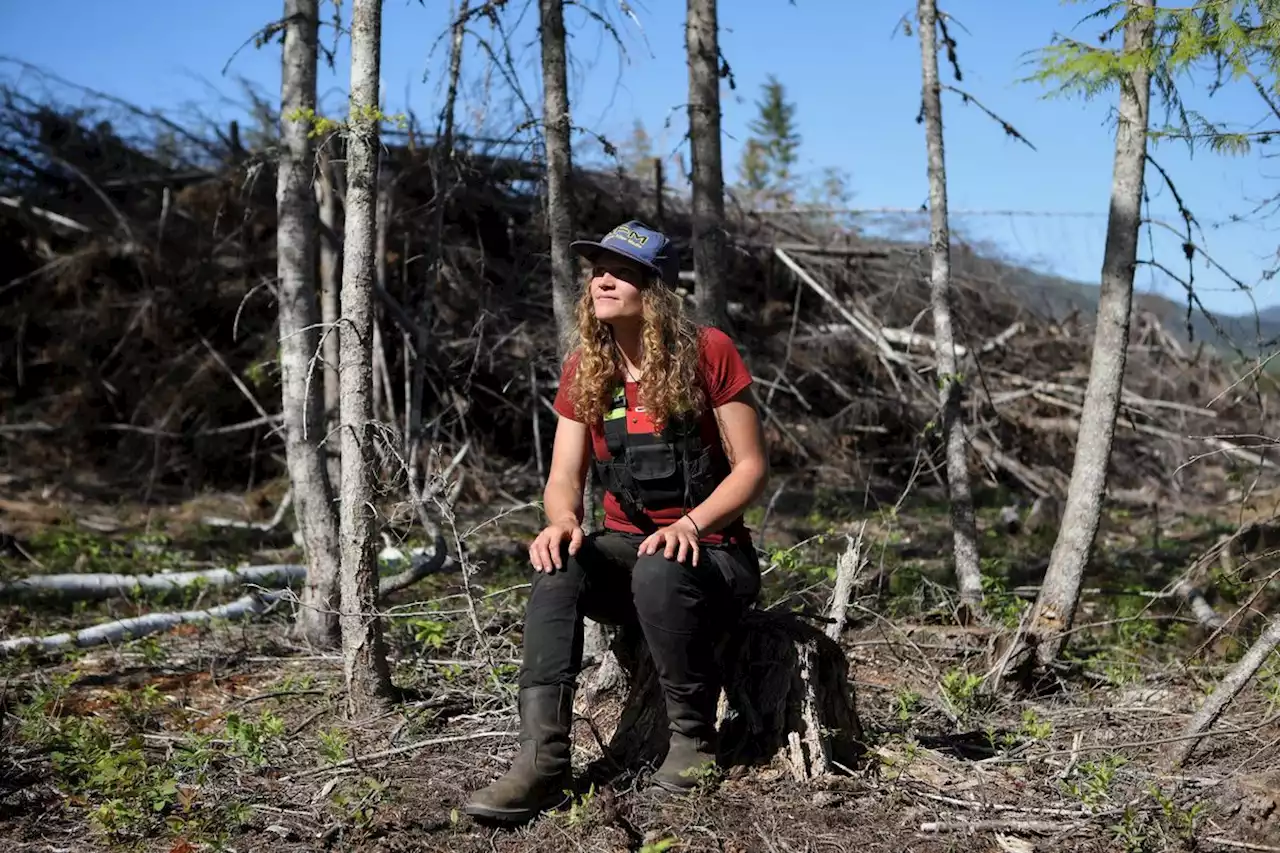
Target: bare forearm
{"type": "Point", "coordinates": [735, 493]}
{"type": "Point", "coordinates": [562, 502]}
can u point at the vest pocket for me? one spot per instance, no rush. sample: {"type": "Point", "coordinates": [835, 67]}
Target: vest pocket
{"type": "Point", "coordinates": [656, 470]}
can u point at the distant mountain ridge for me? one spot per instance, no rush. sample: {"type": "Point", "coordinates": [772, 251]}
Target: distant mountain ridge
{"type": "Point", "coordinates": [1056, 297]}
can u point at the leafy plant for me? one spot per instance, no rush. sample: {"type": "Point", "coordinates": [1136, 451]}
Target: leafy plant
{"type": "Point", "coordinates": [357, 802]}
{"type": "Point", "coordinates": [1091, 783]}
{"type": "Point", "coordinates": [333, 745]}
{"type": "Point", "coordinates": [251, 739]}
{"type": "Point", "coordinates": [960, 690]}
{"type": "Point", "coordinates": [1033, 727]}
{"type": "Point", "coordinates": [906, 702]}
{"type": "Point", "coordinates": [428, 632]}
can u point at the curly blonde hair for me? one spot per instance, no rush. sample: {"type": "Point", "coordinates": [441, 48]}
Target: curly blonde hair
{"type": "Point", "coordinates": [670, 384]}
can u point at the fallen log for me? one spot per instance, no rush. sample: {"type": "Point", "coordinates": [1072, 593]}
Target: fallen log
{"type": "Point", "coordinates": [96, 587]}
{"type": "Point", "coordinates": [120, 630]}
{"type": "Point", "coordinates": [786, 698]}
{"type": "Point", "coordinates": [1200, 606]}
{"type": "Point", "coordinates": [100, 586]}
{"type": "Point", "coordinates": [1236, 555]}
{"type": "Point", "coordinates": [89, 587]}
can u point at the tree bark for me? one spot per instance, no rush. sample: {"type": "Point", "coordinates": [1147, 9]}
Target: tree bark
{"type": "Point", "coordinates": [702, 43]}
{"type": "Point", "coordinates": [556, 128]}
{"type": "Point", "coordinates": [330, 286]}
{"type": "Point", "coordinates": [1225, 691]}
{"type": "Point", "coordinates": [364, 656]}
{"type": "Point", "coordinates": [964, 528]}
{"type": "Point", "coordinates": [1055, 607]}
{"type": "Point", "coordinates": [302, 411]}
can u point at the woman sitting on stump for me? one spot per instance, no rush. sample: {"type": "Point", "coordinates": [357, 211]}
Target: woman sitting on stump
{"type": "Point", "coordinates": [663, 410]}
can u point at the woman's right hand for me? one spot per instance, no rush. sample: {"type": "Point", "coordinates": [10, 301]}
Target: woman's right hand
{"type": "Point", "coordinates": [544, 551]}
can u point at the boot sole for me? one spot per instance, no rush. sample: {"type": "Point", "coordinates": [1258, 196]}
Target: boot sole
{"type": "Point", "coordinates": [513, 816]}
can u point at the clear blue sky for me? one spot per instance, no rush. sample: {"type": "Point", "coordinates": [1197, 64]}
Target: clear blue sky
{"type": "Point", "coordinates": [853, 74]}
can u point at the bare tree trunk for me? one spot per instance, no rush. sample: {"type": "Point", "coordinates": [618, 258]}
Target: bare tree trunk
{"type": "Point", "coordinates": [1060, 592]}
{"type": "Point", "coordinates": [702, 43]}
{"type": "Point", "coordinates": [303, 415]}
{"type": "Point", "coordinates": [964, 528]}
{"type": "Point", "coordinates": [384, 403]}
{"type": "Point", "coordinates": [556, 127]}
{"type": "Point", "coordinates": [364, 656]}
{"type": "Point", "coordinates": [330, 285]}
{"type": "Point", "coordinates": [1225, 691]}
{"type": "Point", "coordinates": [443, 177]}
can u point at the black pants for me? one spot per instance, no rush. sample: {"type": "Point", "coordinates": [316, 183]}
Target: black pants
{"type": "Point", "coordinates": [683, 610]}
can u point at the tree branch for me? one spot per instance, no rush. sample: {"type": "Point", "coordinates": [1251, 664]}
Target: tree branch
{"type": "Point", "coordinates": [1008, 128]}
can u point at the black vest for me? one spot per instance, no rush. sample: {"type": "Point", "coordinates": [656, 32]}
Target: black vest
{"type": "Point", "coordinates": [673, 468]}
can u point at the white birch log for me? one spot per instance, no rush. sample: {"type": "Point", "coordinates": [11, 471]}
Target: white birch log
{"type": "Point", "coordinates": [100, 586]}
{"type": "Point", "coordinates": [95, 587]}
{"type": "Point", "coordinates": [90, 587]}
{"type": "Point", "coordinates": [119, 630]}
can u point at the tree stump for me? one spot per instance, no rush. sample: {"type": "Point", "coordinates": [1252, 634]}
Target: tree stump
{"type": "Point", "coordinates": [786, 697]}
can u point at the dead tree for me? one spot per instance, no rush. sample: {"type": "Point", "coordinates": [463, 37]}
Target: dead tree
{"type": "Point", "coordinates": [364, 655]}
{"type": "Point", "coordinates": [964, 528]}
{"type": "Point", "coordinates": [703, 46]}
{"type": "Point", "coordinates": [1055, 606]}
{"type": "Point", "coordinates": [120, 630]}
{"type": "Point", "coordinates": [301, 404]}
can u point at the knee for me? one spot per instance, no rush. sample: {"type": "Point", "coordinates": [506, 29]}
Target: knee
{"type": "Point", "coordinates": [566, 580]}
{"type": "Point", "coordinates": [658, 586]}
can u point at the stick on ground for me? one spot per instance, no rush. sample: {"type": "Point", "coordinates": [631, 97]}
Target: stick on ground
{"type": "Point", "coordinates": [1227, 690]}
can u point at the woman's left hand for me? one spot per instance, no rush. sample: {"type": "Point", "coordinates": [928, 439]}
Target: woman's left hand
{"type": "Point", "coordinates": [677, 541]}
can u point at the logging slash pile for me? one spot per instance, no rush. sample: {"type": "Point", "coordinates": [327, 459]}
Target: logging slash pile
{"type": "Point", "coordinates": [137, 323]}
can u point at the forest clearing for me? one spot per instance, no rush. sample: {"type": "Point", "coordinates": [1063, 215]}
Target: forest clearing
{"type": "Point", "coordinates": [1017, 546]}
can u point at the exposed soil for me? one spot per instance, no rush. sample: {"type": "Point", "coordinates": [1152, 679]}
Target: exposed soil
{"type": "Point", "coordinates": [233, 736]}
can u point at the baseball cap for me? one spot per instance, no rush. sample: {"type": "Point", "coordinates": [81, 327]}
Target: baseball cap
{"type": "Point", "coordinates": [636, 242]}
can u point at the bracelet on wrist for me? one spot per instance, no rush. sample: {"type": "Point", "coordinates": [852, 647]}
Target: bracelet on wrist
{"type": "Point", "coordinates": [696, 528]}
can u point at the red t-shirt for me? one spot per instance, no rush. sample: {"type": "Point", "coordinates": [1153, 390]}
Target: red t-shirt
{"type": "Point", "coordinates": [723, 374]}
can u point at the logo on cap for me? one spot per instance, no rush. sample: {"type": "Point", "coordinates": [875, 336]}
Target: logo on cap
{"type": "Point", "coordinates": [628, 235]}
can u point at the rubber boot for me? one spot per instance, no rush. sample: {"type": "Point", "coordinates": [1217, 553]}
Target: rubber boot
{"type": "Point", "coordinates": [691, 750]}
{"type": "Point", "coordinates": [542, 770]}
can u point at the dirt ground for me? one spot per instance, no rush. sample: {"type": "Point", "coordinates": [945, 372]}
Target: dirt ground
{"type": "Point", "coordinates": [234, 736]}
